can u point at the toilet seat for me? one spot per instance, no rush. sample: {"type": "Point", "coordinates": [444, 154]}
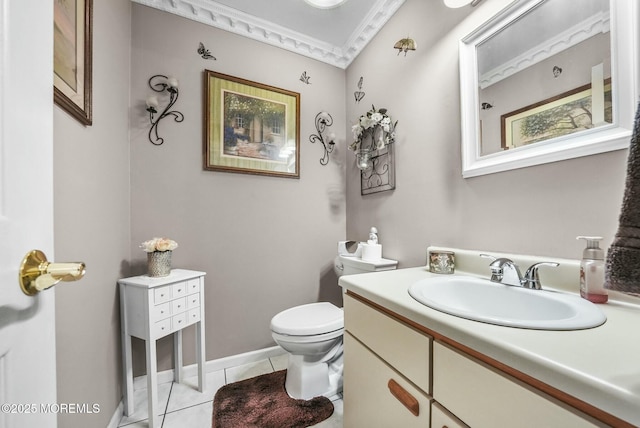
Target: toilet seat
{"type": "Point", "coordinates": [309, 320]}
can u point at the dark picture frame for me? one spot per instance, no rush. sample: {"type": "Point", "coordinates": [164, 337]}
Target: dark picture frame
{"type": "Point", "coordinates": [73, 58]}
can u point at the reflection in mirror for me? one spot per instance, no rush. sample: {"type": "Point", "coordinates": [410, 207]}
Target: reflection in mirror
{"type": "Point", "coordinates": [554, 58]}
{"type": "Point", "coordinates": [545, 80]}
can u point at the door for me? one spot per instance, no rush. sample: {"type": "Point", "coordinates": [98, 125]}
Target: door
{"type": "Point", "coordinates": [27, 331]}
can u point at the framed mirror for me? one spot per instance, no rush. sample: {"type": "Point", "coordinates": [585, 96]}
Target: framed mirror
{"type": "Point", "coordinates": [545, 81]}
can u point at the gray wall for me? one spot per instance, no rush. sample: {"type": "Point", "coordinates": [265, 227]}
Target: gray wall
{"type": "Point", "coordinates": [91, 224]}
{"type": "Point", "coordinates": [537, 210]}
{"type": "Point", "coordinates": [266, 243]}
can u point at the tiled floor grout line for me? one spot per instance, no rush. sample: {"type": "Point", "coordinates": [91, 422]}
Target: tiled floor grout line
{"type": "Point", "coordinates": [166, 407]}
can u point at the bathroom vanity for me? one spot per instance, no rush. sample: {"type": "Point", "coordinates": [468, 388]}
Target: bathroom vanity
{"type": "Point", "coordinates": [412, 366]}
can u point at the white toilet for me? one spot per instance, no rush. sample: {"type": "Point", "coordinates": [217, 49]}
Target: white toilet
{"type": "Point", "coordinates": [312, 335]}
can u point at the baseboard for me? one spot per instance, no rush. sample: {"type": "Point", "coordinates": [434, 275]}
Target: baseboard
{"type": "Point", "coordinates": [117, 416]}
{"type": "Point", "coordinates": [140, 382]}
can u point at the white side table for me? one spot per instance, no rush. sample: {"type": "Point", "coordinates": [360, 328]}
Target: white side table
{"type": "Point", "coordinates": [152, 308]}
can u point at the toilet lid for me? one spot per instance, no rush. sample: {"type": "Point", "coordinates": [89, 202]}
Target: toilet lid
{"type": "Point", "coordinates": [307, 320]}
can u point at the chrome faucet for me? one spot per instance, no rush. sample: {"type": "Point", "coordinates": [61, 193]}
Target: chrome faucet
{"type": "Point", "coordinates": [505, 271]}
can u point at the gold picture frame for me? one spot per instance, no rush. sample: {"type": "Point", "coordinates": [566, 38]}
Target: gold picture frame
{"type": "Point", "coordinates": [560, 115]}
{"type": "Point", "coordinates": [72, 66]}
{"type": "Point", "coordinates": [250, 127]}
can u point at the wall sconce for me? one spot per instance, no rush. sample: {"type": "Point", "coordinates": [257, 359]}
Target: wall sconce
{"type": "Point", "coordinates": [404, 45]}
{"type": "Point", "coordinates": [160, 83]}
{"type": "Point", "coordinates": [324, 120]}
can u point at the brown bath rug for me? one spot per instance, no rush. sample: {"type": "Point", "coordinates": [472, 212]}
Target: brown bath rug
{"type": "Point", "coordinates": [262, 402]}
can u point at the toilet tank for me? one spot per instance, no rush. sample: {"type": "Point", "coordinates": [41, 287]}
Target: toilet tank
{"type": "Point", "coordinates": [349, 265]}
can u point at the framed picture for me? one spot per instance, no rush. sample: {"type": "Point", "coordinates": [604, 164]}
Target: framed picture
{"type": "Point", "coordinates": [564, 114]}
{"type": "Point", "coordinates": [251, 128]}
{"type": "Point", "coordinates": [72, 49]}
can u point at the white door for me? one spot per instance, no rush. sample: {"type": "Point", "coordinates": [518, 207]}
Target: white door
{"type": "Point", "coordinates": [27, 331]}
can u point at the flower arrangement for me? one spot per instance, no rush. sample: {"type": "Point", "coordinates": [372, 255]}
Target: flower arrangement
{"type": "Point", "coordinates": [159, 244]}
{"type": "Point", "coordinates": [367, 124]}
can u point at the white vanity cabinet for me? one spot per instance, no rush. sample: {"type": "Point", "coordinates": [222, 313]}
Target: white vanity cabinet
{"type": "Point", "coordinates": [482, 396]}
{"type": "Point", "coordinates": [152, 308]}
{"type": "Point", "coordinates": [387, 370]}
{"type": "Point", "coordinates": [449, 388]}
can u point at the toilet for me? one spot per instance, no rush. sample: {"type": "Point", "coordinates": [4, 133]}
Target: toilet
{"type": "Point", "coordinates": [312, 335]}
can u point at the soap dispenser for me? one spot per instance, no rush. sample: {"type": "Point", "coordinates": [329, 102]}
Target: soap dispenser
{"type": "Point", "coordinates": [592, 271]}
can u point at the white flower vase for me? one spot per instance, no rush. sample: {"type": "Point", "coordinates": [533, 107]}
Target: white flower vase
{"type": "Point", "coordinates": [159, 263]}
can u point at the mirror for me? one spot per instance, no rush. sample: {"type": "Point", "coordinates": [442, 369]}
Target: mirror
{"type": "Point", "coordinates": [545, 81]}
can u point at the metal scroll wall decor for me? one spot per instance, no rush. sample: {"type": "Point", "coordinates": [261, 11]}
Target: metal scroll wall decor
{"type": "Point", "coordinates": [160, 83]}
{"type": "Point", "coordinates": [380, 175]}
{"type": "Point", "coordinates": [323, 121]}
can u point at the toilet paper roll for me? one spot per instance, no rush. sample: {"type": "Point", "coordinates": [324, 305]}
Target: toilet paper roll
{"type": "Point", "coordinates": [371, 252]}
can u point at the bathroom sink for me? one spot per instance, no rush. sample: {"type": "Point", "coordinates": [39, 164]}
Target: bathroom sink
{"type": "Point", "coordinates": [482, 300]}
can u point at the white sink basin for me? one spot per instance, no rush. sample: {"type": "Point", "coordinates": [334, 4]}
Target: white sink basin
{"type": "Point", "coordinates": [482, 300]}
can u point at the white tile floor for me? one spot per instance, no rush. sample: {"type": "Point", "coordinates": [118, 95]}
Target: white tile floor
{"type": "Point", "coordinates": [183, 406]}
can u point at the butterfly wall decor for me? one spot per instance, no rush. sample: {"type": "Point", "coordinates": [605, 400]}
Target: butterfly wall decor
{"type": "Point", "coordinates": [359, 94]}
{"type": "Point", "coordinates": [205, 53]}
{"type": "Point", "coordinates": [305, 78]}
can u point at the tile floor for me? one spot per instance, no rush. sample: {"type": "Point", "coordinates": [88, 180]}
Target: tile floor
{"type": "Point", "coordinates": [183, 406]}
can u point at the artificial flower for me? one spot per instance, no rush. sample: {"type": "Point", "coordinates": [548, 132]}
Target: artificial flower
{"type": "Point", "coordinates": [159, 244]}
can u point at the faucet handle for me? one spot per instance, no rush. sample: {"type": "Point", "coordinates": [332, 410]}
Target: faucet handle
{"type": "Point", "coordinates": [496, 274]}
{"type": "Point", "coordinates": [531, 276]}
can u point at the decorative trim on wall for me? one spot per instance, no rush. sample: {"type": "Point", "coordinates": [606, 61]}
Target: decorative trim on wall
{"type": "Point", "coordinates": [599, 23]}
{"type": "Point", "coordinates": [232, 20]}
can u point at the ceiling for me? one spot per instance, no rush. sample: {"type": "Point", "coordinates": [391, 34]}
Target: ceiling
{"type": "Point", "coordinates": [334, 36]}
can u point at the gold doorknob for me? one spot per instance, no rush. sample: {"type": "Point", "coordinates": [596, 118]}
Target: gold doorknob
{"type": "Point", "coordinates": [37, 274]}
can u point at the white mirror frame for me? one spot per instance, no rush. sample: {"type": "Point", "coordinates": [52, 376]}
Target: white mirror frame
{"type": "Point", "coordinates": [625, 44]}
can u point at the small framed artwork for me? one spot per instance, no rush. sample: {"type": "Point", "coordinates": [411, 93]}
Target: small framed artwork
{"type": "Point", "coordinates": [72, 65]}
{"type": "Point", "coordinates": [250, 127]}
{"type": "Point", "coordinates": [572, 111]}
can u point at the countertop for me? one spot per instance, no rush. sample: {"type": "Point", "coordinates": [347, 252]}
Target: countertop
{"type": "Point", "coordinates": [600, 366]}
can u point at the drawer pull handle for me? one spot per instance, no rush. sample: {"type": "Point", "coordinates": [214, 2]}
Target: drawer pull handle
{"type": "Point", "coordinates": [404, 397]}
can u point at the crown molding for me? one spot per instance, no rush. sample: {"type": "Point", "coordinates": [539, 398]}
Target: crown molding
{"type": "Point", "coordinates": [225, 18]}
{"type": "Point", "coordinates": [599, 23]}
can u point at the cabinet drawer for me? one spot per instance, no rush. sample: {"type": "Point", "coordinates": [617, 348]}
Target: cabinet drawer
{"type": "Point", "coordinates": [442, 418]}
{"type": "Point", "coordinates": [162, 294]}
{"type": "Point", "coordinates": [483, 397]}
{"type": "Point", "coordinates": [193, 301]}
{"type": "Point", "coordinates": [404, 348]}
{"type": "Point", "coordinates": [368, 400]}
{"type": "Point", "coordinates": [161, 328]}
{"type": "Point", "coordinates": [178, 305]}
{"type": "Point", "coordinates": [161, 311]}
{"type": "Point", "coordinates": [193, 286]}
{"type": "Point", "coordinates": [193, 316]}
{"type": "Point", "coordinates": [178, 321]}
{"type": "Point", "coordinates": [179, 289]}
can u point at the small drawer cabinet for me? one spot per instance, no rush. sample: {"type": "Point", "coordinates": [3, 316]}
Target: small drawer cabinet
{"type": "Point", "coordinates": [152, 308]}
